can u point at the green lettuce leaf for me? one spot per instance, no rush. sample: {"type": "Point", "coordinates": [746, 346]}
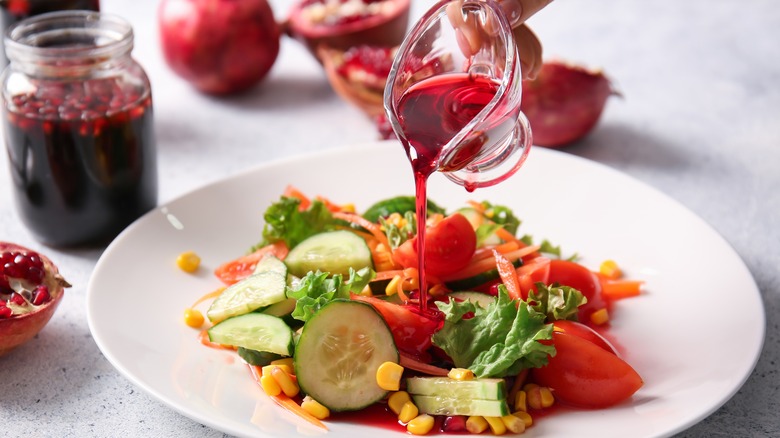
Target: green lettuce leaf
{"type": "Point", "coordinates": [284, 221]}
{"type": "Point", "coordinates": [556, 302]}
{"type": "Point", "coordinates": [499, 340]}
{"type": "Point", "coordinates": [317, 289]}
{"type": "Point", "coordinates": [398, 235]}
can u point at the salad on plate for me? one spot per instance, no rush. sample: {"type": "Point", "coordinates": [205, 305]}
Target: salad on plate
{"type": "Point", "coordinates": [328, 314]}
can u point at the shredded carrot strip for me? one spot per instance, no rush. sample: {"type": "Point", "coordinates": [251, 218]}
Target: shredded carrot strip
{"type": "Point", "coordinates": [286, 402]}
{"type": "Point", "coordinates": [292, 192]}
{"type": "Point", "coordinates": [503, 248]}
{"type": "Point", "coordinates": [208, 296]}
{"type": "Point", "coordinates": [481, 265]}
{"type": "Point", "coordinates": [476, 206]}
{"type": "Point", "coordinates": [519, 381]}
{"type": "Point", "coordinates": [505, 235]}
{"type": "Point", "coordinates": [616, 289]}
{"type": "Point", "coordinates": [508, 274]}
{"type": "Point", "coordinates": [384, 275]}
{"type": "Point", "coordinates": [204, 339]}
{"type": "Point", "coordinates": [414, 364]}
{"type": "Point", "coordinates": [365, 223]}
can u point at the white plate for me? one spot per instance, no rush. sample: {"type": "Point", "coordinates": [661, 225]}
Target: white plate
{"type": "Point", "coordinates": [700, 297]}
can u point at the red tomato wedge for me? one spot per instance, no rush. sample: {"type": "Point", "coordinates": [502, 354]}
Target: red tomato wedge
{"type": "Point", "coordinates": [533, 271]}
{"type": "Point", "coordinates": [583, 331]}
{"type": "Point", "coordinates": [412, 331]}
{"type": "Point", "coordinates": [449, 246]}
{"type": "Point", "coordinates": [574, 275]}
{"type": "Point", "coordinates": [242, 267]}
{"type": "Point", "coordinates": [584, 374]}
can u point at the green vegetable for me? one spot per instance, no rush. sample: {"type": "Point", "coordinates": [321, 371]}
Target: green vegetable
{"type": "Point", "coordinates": [335, 252]}
{"type": "Point", "coordinates": [252, 293]}
{"type": "Point", "coordinates": [432, 405]}
{"type": "Point", "coordinates": [398, 204]}
{"type": "Point", "coordinates": [557, 302]}
{"type": "Point", "coordinates": [499, 340]}
{"type": "Point", "coordinates": [398, 235]}
{"type": "Point", "coordinates": [481, 389]}
{"type": "Point", "coordinates": [258, 358]}
{"type": "Point", "coordinates": [501, 215]}
{"type": "Point", "coordinates": [317, 289]}
{"type": "Point", "coordinates": [254, 331]}
{"type": "Point", "coordinates": [284, 221]}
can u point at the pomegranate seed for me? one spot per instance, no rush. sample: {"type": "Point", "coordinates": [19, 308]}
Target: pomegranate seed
{"type": "Point", "coordinates": [13, 264]}
{"type": "Point", "coordinates": [41, 295]}
{"type": "Point", "coordinates": [18, 299]}
{"type": "Point", "coordinates": [5, 312]}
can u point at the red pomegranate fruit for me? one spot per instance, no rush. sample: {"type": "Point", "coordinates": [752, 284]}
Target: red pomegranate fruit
{"type": "Point", "coordinates": [564, 102]}
{"type": "Point", "coordinates": [342, 24]}
{"type": "Point", "coordinates": [31, 288]}
{"type": "Point", "coordinates": [220, 46]}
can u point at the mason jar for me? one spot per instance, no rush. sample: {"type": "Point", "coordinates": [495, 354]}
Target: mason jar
{"type": "Point", "coordinates": [78, 126]}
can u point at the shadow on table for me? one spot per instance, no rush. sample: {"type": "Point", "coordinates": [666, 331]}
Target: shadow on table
{"type": "Point", "coordinates": [281, 93]}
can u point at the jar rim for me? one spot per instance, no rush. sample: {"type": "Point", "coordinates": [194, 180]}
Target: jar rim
{"type": "Point", "coordinates": [111, 35]}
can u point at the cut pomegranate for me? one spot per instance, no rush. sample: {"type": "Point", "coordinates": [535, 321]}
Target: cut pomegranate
{"type": "Point", "coordinates": [30, 291]}
{"type": "Point", "coordinates": [220, 46]}
{"type": "Point", "coordinates": [564, 102]}
{"type": "Point", "coordinates": [342, 24]}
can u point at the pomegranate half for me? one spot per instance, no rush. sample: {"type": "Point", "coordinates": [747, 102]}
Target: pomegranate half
{"type": "Point", "coordinates": [341, 24]}
{"type": "Point", "coordinates": [31, 289]}
{"type": "Point", "coordinates": [564, 103]}
{"type": "Point", "coordinates": [219, 46]}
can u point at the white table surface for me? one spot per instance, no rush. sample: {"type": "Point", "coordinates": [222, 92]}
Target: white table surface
{"type": "Point", "coordinates": [700, 121]}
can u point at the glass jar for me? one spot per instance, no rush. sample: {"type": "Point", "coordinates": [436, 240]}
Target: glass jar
{"type": "Point", "coordinates": [78, 126]}
{"type": "Point", "coordinates": [12, 11]}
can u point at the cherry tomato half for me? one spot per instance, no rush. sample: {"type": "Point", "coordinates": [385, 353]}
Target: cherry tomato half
{"type": "Point", "coordinates": [574, 275]}
{"type": "Point", "coordinates": [412, 331]}
{"type": "Point", "coordinates": [584, 374]}
{"type": "Point", "coordinates": [583, 331]}
{"type": "Point", "coordinates": [449, 246]}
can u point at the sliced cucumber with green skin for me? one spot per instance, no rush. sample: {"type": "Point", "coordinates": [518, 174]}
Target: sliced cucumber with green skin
{"type": "Point", "coordinates": [257, 358]}
{"type": "Point", "coordinates": [332, 251]}
{"type": "Point", "coordinates": [248, 295]}
{"type": "Point", "coordinates": [468, 283]}
{"type": "Point", "coordinates": [254, 331]}
{"type": "Point", "coordinates": [477, 219]}
{"type": "Point", "coordinates": [282, 308]}
{"type": "Point", "coordinates": [271, 263]}
{"type": "Point", "coordinates": [433, 405]}
{"type": "Point", "coordinates": [338, 353]}
{"type": "Point", "coordinates": [480, 298]}
{"type": "Point", "coordinates": [445, 387]}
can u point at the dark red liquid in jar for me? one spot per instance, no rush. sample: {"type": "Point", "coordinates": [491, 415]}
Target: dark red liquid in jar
{"type": "Point", "coordinates": [12, 11]}
{"type": "Point", "coordinates": [82, 158]}
{"type": "Point", "coordinates": [430, 114]}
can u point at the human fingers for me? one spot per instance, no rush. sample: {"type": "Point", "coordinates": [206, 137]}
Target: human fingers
{"type": "Point", "coordinates": [517, 11]}
{"type": "Point", "coordinates": [530, 49]}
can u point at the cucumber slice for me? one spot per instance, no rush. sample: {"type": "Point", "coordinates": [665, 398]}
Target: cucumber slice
{"type": "Point", "coordinates": [282, 308]}
{"type": "Point", "coordinates": [476, 218]}
{"type": "Point", "coordinates": [480, 298]}
{"type": "Point", "coordinates": [333, 252]}
{"type": "Point", "coordinates": [464, 284]}
{"type": "Point", "coordinates": [257, 358]}
{"type": "Point", "coordinates": [271, 263]}
{"type": "Point", "coordinates": [482, 389]}
{"type": "Point", "coordinates": [254, 331]}
{"type": "Point", "coordinates": [248, 295]}
{"type": "Point", "coordinates": [338, 353]}
{"type": "Point", "coordinates": [434, 405]}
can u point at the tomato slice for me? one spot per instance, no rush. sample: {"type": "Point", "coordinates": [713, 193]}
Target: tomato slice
{"type": "Point", "coordinates": [533, 271]}
{"type": "Point", "coordinates": [583, 331]}
{"type": "Point", "coordinates": [584, 374]}
{"type": "Point", "coordinates": [242, 267]}
{"type": "Point", "coordinates": [574, 275]}
{"type": "Point", "coordinates": [449, 246]}
{"type": "Point", "coordinates": [412, 331]}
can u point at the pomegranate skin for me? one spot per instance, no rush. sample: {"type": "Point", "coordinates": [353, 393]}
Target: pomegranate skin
{"type": "Point", "coordinates": [219, 46]}
{"type": "Point", "coordinates": [17, 330]}
{"type": "Point", "coordinates": [564, 102]}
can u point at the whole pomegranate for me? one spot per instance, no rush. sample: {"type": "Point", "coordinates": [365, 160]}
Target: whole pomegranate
{"type": "Point", "coordinates": [31, 288]}
{"type": "Point", "coordinates": [220, 46]}
{"type": "Point", "coordinates": [564, 102]}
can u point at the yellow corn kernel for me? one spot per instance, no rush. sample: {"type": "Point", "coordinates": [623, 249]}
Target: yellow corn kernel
{"type": "Point", "coordinates": [600, 316]}
{"type": "Point", "coordinates": [396, 401]}
{"type": "Point", "coordinates": [388, 376]}
{"type": "Point", "coordinates": [392, 287]}
{"type": "Point", "coordinates": [513, 424]}
{"type": "Point", "coordinates": [420, 425]}
{"type": "Point", "coordinates": [461, 374]}
{"type": "Point", "coordinates": [188, 261]}
{"type": "Point", "coordinates": [496, 425]}
{"type": "Point", "coordinates": [289, 386]}
{"type": "Point", "coordinates": [268, 369]}
{"type": "Point", "coordinates": [476, 424]}
{"type": "Point", "coordinates": [408, 412]}
{"type": "Point", "coordinates": [520, 401]}
{"type": "Point", "coordinates": [610, 269]}
{"type": "Point", "coordinates": [314, 407]}
{"type": "Point", "coordinates": [529, 386]}
{"type": "Point", "coordinates": [526, 417]}
{"type": "Point", "coordinates": [287, 362]}
{"type": "Point", "coordinates": [193, 318]}
{"type": "Point", "coordinates": [270, 386]}
{"type": "Point", "coordinates": [438, 290]}
{"type": "Point", "coordinates": [349, 208]}
{"type": "Point", "coordinates": [540, 397]}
